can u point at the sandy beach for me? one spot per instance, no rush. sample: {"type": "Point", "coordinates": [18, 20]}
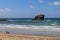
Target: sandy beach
{"type": "Point", "coordinates": [27, 34]}
{"type": "Point", "coordinates": [4, 36]}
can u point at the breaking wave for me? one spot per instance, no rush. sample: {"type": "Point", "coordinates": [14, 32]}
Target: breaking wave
{"type": "Point", "coordinates": [34, 27]}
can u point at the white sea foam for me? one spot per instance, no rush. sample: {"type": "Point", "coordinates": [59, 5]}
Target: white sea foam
{"type": "Point", "coordinates": [19, 20]}
{"type": "Point", "coordinates": [55, 23]}
{"type": "Point", "coordinates": [48, 20]}
{"type": "Point", "coordinates": [42, 28]}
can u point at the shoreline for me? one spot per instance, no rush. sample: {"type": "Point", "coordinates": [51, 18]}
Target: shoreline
{"type": "Point", "coordinates": [27, 34]}
{"type": "Point", "coordinates": [30, 32]}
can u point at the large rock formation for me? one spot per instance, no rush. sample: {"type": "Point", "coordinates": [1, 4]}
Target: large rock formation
{"type": "Point", "coordinates": [39, 17]}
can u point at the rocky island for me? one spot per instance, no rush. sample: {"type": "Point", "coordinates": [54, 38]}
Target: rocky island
{"type": "Point", "coordinates": [39, 17]}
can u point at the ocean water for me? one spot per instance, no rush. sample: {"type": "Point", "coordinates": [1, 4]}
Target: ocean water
{"type": "Point", "coordinates": [49, 24]}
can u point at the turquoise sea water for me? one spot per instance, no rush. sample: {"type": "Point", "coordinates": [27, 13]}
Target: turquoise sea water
{"type": "Point", "coordinates": [49, 26]}
{"type": "Point", "coordinates": [28, 23]}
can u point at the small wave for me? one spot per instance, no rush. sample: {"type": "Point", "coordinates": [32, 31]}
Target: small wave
{"type": "Point", "coordinates": [55, 23]}
{"type": "Point", "coordinates": [19, 20]}
{"type": "Point", "coordinates": [41, 28]}
{"type": "Point", "coordinates": [47, 20]}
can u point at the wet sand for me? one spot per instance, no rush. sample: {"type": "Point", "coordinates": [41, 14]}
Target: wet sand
{"type": "Point", "coordinates": [35, 32]}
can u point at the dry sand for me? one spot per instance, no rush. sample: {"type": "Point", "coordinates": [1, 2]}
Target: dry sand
{"type": "Point", "coordinates": [4, 36]}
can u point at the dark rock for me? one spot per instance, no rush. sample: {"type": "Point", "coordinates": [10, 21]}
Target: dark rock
{"type": "Point", "coordinates": [39, 17]}
{"type": "Point", "coordinates": [7, 32]}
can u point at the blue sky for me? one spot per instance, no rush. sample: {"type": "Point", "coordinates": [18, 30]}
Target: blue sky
{"type": "Point", "coordinates": [29, 8]}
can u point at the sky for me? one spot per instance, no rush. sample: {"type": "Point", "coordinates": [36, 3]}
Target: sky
{"type": "Point", "coordinates": [29, 8]}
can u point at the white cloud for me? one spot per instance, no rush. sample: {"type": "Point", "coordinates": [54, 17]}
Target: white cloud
{"type": "Point", "coordinates": [41, 1]}
{"type": "Point", "coordinates": [56, 3]}
{"type": "Point", "coordinates": [31, 6]}
{"type": "Point", "coordinates": [1, 10]}
{"type": "Point", "coordinates": [5, 10]}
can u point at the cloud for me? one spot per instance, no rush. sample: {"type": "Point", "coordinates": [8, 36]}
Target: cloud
{"type": "Point", "coordinates": [31, 6]}
{"type": "Point", "coordinates": [5, 10]}
{"type": "Point", "coordinates": [41, 1]}
{"type": "Point", "coordinates": [56, 3]}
